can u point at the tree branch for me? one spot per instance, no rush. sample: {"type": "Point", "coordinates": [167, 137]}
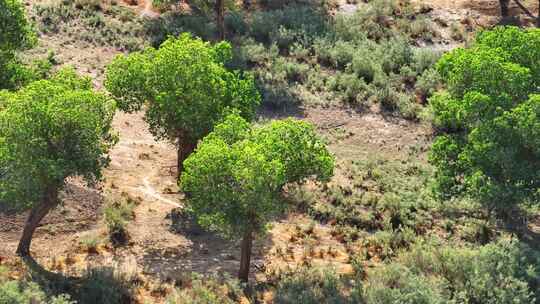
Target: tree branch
{"type": "Point", "coordinates": [524, 9]}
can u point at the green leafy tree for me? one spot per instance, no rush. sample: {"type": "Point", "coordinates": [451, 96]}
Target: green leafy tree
{"type": "Point", "coordinates": [16, 35]}
{"type": "Point", "coordinates": [51, 130]}
{"type": "Point", "coordinates": [16, 32]}
{"type": "Point", "coordinates": [233, 182]}
{"type": "Point", "coordinates": [186, 89]}
{"type": "Point", "coordinates": [522, 46]}
{"type": "Point", "coordinates": [489, 119]}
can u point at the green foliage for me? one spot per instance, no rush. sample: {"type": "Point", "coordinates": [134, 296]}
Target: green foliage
{"type": "Point", "coordinates": [490, 150]}
{"type": "Point", "coordinates": [15, 292]}
{"type": "Point", "coordinates": [16, 74]}
{"type": "Point", "coordinates": [16, 35]}
{"type": "Point", "coordinates": [24, 292]}
{"type": "Point", "coordinates": [184, 84]}
{"type": "Point", "coordinates": [522, 47]}
{"type": "Point", "coordinates": [16, 30]}
{"type": "Point", "coordinates": [388, 198]}
{"type": "Point", "coordinates": [310, 286]}
{"type": "Point", "coordinates": [235, 186]}
{"type": "Point", "coordinates": [117, 215]}
{"type": "Point", "coordinates": [103, 285]}
{"type": "Point", "coordinates": [486, 71]}
{"type": "Point", "coordinates": [207, 290]}
{"type": "Point", "coordinates": [51, 130]}
{"type": "Point", "coordinates": [502, 272]}
{"type": "Point", "coordinates": [325, 59]}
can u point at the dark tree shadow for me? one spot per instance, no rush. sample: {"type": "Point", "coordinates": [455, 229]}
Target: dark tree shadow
{"type": "Point", "coordinates": [205, 253]}
{"type": "Point", "coordinates": [526, 229]}
{"type": "Point", "coordinates": [97, 285]}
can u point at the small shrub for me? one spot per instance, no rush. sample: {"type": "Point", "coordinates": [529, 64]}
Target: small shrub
{"type": "Point", "coordinates": [235, 23]}
{"type": "Point", "coordinates": [424, 59]}
{"type": "Point", "coordinates": [252, 52]}
{"type": "Point", "coordinates": [310, 286]}
{"type": "Point", "coordinates": [407, 107]}
{"type": "Point", "coordinates": [365, 66]}
{"type": "Point", "coordinates": [396, 53]}
{"type": "Point", "coordinates": [105, 286]}
{"type": "Point", "coordinates": [210, 290]}
{"type": "Point", "coordinates": [427, 84]}
{"type": "Point", "coordinates": [430, 273]}
{"type": "Point", "coordinates": [388, 98]}
{"type": "Point", "coordinates": [117, 215]}
{"type": "Point", "coordinates": [91, 242]}
{"type": "Point", "coordinates": [341, 55]}
{"type": "Point", "coordinates": [23, 292]}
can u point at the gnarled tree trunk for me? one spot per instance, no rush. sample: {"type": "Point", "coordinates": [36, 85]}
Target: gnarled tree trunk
{"type": "Point", "coordinates": [48, 201]}
{"type": "Point", "coordinates": [220, 18]}
{"type": "Point", "coordinates": [185, 148]}
{"type": "Point", "coordinates": [245, 258]}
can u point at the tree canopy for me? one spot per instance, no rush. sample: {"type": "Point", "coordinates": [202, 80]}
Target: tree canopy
{"type": "Point", "coordinates": [16, 34]}
{"type": "Point", "coordinates": [234, 179]}
{"type": "Point", "coordinates": [16, 31]}
{"type": "Point", "coordinates": [186, 88]}
{"type": "Point", "coordinates": [51, 130]}
{"type": "Point", "coordinates": [489, 118]}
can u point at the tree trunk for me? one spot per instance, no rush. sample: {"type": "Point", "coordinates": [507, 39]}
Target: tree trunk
{"type": "Point", "coordinates": [220, 18]}
{"type": "Point", "coordinates": [245, 257]}
{"type": "Point", "coordinates": [49, 201]}
{"type": "Point", "coordinates": [185, 148]}
{"type": "Point", "coordinates": [538, 18]}
{"type": "Point", "coordinates": [505, 12]}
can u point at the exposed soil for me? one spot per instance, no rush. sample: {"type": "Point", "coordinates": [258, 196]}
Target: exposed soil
{"type": "Point", "coordinates": [143, 170]}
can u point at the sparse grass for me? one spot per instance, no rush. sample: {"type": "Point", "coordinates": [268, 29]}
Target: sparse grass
{"type": "Point", "coordinates": [91, 242]}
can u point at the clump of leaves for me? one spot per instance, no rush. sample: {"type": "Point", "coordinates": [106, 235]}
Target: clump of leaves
{"type": "Point", "coordinates": [490, 119]}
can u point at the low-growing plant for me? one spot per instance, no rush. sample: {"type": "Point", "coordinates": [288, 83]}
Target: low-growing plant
{"type": "Point", "coordinates": [207, 290]}
{"type": "Point", "coordinates": [90, 242]}
{"type": "Point", "coordinates": [310, 286]}
{"type": "Point", "coordinates": [431, 273]}
{"type": "Point", "coordinates": [117, 214]}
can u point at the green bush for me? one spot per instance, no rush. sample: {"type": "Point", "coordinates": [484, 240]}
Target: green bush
{"type": "Point", "coordinates": [117, 215]}
{"type": "Point", "coordinates": [235, 23]}
{"type": "Point", "coordinates": [502, 272]}
{"type": "Point", "coordinates": [352, 89]}
{"type": "Point", "coordinates": [21, 292]}
{"type": "Point", "coordinates": [424, 59]}
{"type": "Point", "coordinates": [105, 286]}
{"type": "Point", "coordinates": [489, 117]}
{"type": "Point", "coordinates": [174, 24]}
{"type": "Point", "coordinates": [395, 283]}
{"type": "Point", "coordinates": [371, 69]}
{"type": "Point", "coordinates": [427, 84]}
{"type": "Point", "coordinates": [296, 23]}
{"type": "Point", "coordinates": [209, 290]}
{"type": "Point", "coordinates": [311, 286]}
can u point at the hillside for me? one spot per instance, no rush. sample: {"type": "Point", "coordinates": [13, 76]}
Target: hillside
{"type": "Point", "coordinates": [363, 74]}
